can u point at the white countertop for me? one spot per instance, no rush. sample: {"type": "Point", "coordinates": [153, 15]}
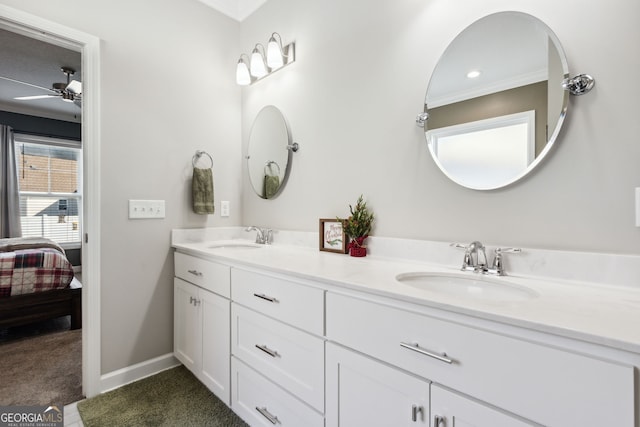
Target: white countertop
{"type": "Point", "coordinates": [600, 314]}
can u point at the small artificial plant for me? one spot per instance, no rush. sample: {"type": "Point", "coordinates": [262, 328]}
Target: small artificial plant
{"type": "Point", "coordinates": [358, 225]}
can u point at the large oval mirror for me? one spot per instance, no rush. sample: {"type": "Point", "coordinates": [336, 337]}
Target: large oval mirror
{"type": "Point", "coordinates": [269, 152]}
{"type": "Point", "coordinates": [495, 100]}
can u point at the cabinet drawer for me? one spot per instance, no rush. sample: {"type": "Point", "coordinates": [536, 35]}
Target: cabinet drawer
{"type": "Point", "coordinates": [206, 274]}
{"type": "Point", "coordinates": [259, 402]}
{"type": "Point", "coordinates": [290, 302]}
{"type": "Point", "coordinates": [291, 358]}
{"type": "Point", "coordinates": [550, 386]}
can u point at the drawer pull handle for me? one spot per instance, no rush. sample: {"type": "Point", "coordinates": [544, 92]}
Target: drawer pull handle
{"type": "Point", "coordinates": [272, 418]}
{"type": "Point", "coordinates": [265, 297]}
{"type": "Point", "coordinates": [415, 410]}
{"type": "Point", "coordinates": [415, 347]}
{"type": "Point", "coordinates": [195, 273]}
{"type": "Point", "coordinates": [439, 421]}
{"type": "Point", "coordinates": [267, 350]}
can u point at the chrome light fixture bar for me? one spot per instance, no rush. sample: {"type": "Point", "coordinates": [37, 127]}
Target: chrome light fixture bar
{"type": "Point", "coordinates": [264, 62]}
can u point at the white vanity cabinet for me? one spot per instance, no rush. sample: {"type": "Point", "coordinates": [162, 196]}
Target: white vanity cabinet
{"type": "Point", "coordinates": [202, 321]}
{"type": "Point", "coordinates": [277, 329]}
{"type": "Point", "coordinates": [364, 392]}
{"type": "Point", "coordinates": [449, 409]}
{"type": "Point", "coordinates": [541, 383]}
{"type": "Point", "coordinates": [290, 348]}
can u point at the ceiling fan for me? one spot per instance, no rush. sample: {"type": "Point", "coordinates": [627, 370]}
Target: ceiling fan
{"type": "Point", "coordinates": [71, 91]}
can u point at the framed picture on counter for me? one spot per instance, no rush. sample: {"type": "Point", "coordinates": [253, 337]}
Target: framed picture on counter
{"type": "Point", "coordinates": [332, 237]}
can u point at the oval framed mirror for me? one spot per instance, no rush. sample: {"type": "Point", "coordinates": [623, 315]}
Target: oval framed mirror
{"type": "Point", "coordinates": [269, 152]}
{"type": "Point", "coordinates": [495, 101]}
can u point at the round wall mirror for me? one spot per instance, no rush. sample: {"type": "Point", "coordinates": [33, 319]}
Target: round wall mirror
{"type": "Point", "coordinates": [269, 152]}
{"type": "Point", "coordinates": [495, 101]}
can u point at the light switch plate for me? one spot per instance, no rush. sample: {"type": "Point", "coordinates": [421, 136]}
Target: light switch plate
{"type": "Point", "coordinates": [224, 208]}
{"type": "Point", "coordinates": [146, 209]}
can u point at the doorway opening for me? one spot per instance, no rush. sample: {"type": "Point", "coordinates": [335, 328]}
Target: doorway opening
{"type": "Point", "coordinates": [88, 46]}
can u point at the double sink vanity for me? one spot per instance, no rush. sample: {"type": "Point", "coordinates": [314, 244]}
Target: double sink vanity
{"type": "Point", "coordinates": [288, 335]}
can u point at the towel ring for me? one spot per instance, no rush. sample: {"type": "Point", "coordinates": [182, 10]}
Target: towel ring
{"type": "Point", "coordinates": [268, 165]}
{"type": "Point", "coordinates": [198, 155]}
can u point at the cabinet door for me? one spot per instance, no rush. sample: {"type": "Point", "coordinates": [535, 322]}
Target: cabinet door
{"type": "Point", "coordinates": [187, 329]}
{"type": "Point", "coordinates": [364, 392]}
{"type": "Point", "coordinates": [450, 409]}
{"type": "Point", "coordinates": [215, 373]}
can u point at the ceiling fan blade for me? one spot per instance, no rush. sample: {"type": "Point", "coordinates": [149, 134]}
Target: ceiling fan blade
{"type": "Point", "coordinates": [29, 98]}
{"type": "Point", "coordinates": [74, 87]}
{"type": "Point", "coordinates": [26, 84]}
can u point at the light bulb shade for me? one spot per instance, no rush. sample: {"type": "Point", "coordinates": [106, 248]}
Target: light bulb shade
{"type": "Point", "coordinates": [274, 54]}
{"type": "Point", "coordinates": [242, 74]}
{"type": "Point", "coordinates": [258, 67]}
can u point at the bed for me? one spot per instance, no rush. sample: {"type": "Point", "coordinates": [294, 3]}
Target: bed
{"type": "Point", "coordinates": [36, 283]}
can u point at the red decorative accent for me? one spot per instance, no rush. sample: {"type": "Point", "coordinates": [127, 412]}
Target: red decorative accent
{"type": "Point", "coordinates": [357, 248]}
{"type": "Point", "coordinates": [358, 252]}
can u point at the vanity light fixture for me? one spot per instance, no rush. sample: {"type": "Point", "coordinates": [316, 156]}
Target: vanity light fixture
{"type": "Point", "coordinates": [264, 61]}
{"type": "Point", "coordinates": [275, 53]}
{"type": "Point", "coordinates": [258, 65]}
{"type": "Point", "coordinates": [243, 77]}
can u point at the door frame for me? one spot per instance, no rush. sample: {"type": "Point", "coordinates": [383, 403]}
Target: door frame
{"type": "Point", "coordinates": [89, 46]}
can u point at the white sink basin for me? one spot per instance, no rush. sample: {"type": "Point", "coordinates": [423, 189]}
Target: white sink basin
{"type": "Point", "coordinates": [467, 286]}
{"type": "Point", "coordinates": [234, 245]}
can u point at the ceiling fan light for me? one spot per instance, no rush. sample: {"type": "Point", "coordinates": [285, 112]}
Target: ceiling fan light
{"type": "Point", "coordinates": [75, 87]}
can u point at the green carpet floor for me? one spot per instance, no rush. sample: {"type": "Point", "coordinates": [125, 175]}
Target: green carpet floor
{"type": "Point", "coordinates": [171, 398]}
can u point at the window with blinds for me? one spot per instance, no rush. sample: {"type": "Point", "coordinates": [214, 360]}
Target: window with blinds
{"type": "Point", "coordinates": [50, 188]}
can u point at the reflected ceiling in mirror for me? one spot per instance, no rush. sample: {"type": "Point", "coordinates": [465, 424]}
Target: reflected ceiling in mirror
{"type": "Point", "coordinates": [269, 153]}
{"type": "Point", "coordinates": [495, 101]}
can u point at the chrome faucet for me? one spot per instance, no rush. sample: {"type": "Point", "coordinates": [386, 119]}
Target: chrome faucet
{"type": "Point", "coordinates": [475, 258]}
{"type": "Point", "coordinates": [497, 267]}
{"type": "Point", "coordinates": [264, 236]}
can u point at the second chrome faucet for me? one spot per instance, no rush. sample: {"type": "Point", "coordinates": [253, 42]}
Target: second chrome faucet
{"type": "Point", "coordinates": [475, 258]}
{"type": "Point", "coordinates": [264, 236]}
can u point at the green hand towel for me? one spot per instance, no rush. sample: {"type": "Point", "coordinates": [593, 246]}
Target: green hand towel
{"type": "Point", "coordinates": [271, 185]}
{"type": "Point", "coordinates": [202, 188]}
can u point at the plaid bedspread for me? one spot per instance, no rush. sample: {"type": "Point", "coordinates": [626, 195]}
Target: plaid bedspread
{"type": "Point", "coordinates": [33, 270]}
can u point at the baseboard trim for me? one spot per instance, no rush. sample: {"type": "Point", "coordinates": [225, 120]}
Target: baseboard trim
{"type": "Point", "coordinates": [136, 372]}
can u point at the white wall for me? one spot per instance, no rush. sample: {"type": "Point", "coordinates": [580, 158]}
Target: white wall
{"type": "Point", "coordinates": [359, 80]}
{"type": "Point", "coordinates": [167, 71]}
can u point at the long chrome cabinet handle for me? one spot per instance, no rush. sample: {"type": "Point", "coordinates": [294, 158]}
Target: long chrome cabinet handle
{"type": "Point", "coordinates": [415, 410]}
{"type": "Point", "coordinates": [265, 297]}
{"type": "Point", "coordinates": [272, 418]}
{"type": "Point", "coordinates": [439, 421]}
{"type": "Point", "coordinates": [267, 350]}
{"type": "Point", "coordinates": [415, 347]}
{"type": "Point", "coordinates": [195, 273]}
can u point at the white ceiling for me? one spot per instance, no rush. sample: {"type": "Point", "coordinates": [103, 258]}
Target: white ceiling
{"type": "Point", "coordinates": [38, 63]}
{"type": "Point", "coordinates": [236, 9]}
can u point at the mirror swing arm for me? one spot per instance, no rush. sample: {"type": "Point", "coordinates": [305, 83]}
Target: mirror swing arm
{"type": "Point", "coordinates": [578, 85]}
